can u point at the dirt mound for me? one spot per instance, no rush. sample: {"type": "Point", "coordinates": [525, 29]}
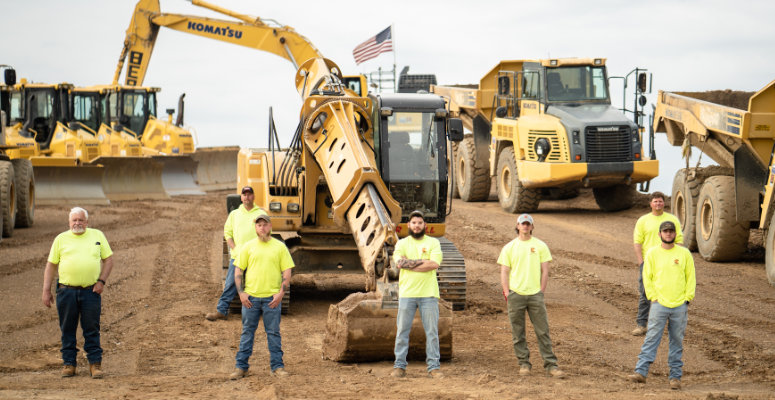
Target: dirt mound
{"type": "Point", "coordinates": [729, 98]}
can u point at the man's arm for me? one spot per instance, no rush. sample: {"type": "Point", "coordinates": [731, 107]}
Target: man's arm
{"type": "Point", "coordinates": [544, 275]}
{"type": "Point", "coordinates": [418, 265]}
{"type": "Point", "coordinates": [48, 276]}
{"type": "Point", "coordinates": [107, 266]}
{"type": "Point", "coordinates": [638, 252]}
{"type": "Point", "coordinates": [230, 243]}
{"type": "Point", "coordinates": [505, 280]}
{"type": "Point", "coordinates": [244, 298]}
{"type": "Point", "coordinates": [277, 299]}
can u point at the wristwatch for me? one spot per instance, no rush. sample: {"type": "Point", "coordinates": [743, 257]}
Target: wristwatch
{"type": "Point", "coordinates": [100, 280]}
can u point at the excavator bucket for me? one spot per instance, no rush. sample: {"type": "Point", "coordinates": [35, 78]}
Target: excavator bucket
{"type": "Point", "coordinates": [82, 185]}
{"type": "Point", "coordinates": [360, 329]}
{"type": "Point", "coordinates": [132, 178]}
{"type": "Point", "coordinates": [179, 175]}
{"type": "Point", "coordinates": [217, 167]}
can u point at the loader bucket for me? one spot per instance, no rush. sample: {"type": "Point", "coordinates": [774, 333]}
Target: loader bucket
{"type": "Point", "coordinates": [179, 175]}
{"type": "Point", "coordinates": [77, 185]}
{"type": "Point", "coordinates": [132, 178]}
{"type": "Point", "coordinates": [217, 169]}
{"type": "Point", "coordinates": [359, 329]}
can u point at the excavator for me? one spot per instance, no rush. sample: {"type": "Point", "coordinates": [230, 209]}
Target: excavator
{"type": "Point", "coordinates": [341, 193]}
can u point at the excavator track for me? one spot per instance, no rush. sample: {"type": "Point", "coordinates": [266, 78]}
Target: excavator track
{"type": "Point", "coordinates": [452, 275]}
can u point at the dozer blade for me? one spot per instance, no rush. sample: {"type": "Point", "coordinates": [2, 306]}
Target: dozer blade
{"type": "Point", "coordinates": [131, 178]}
{"type": "Point", "coordinates": [359, 329]}
{"type": "Point", "coordinates": [217, 169]}
{"type": "Point", "coordinates": [77, 185]}
{"type": "Point", "coordinates": [179, 175]}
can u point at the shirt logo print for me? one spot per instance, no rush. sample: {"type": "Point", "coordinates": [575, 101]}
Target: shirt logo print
{"type": "Point", "coordinates": [675, 261]}
{"type": "Point", "coordinates": [532, 249]}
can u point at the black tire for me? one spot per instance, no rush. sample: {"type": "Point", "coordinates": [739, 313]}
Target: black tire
{"type": "Point", "coordinates": [7, 198]}
{"type": "Point", "coordinates": [720, 237]}
{"type": "Point", "coordinates": [769, 257]}
{"type": "Point", "coordinates": [683, 204]}
{"type": "Point", "coordinates": [615, 198]}
{"type": "Point", "coordinates": [25, 192]}
{"type": "Point", "coordinates": [472, 175]}
{"type": "Point", "coordinates": [513, 197]}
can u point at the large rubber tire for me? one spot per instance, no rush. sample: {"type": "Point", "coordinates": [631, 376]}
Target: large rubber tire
{"type": "Point", "coordinates": [615, 198]}
{"type": "Point", "coordinates": [720, 237]}
{"type": "Point", "coordinates": [25, 192]}
{"type": "Point", "coordinates": [683, 204]}
{"type": "Point", "coordinates": [769, 257]}
{"type": "Point", "coordinates": [513, 197]}
{"type": "Point", "coordinates": [473, 176]}
{"type": "Point", "coordinates": [7, 198]}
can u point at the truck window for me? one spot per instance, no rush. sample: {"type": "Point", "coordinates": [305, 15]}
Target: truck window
{"type": "Point", "coordinates": [531, 85]}
{"type": "Point", "coordinates": [576, 83]}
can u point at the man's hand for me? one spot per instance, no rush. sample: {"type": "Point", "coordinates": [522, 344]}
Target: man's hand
{"type": "Point", "coordinates": [47, 298]}
{"type": "Point", "coordinates": [277, 299]}
{"type": "Point", "coordinates": [244, 298]}
{"type": "Point", "coordinates": [98, 287]}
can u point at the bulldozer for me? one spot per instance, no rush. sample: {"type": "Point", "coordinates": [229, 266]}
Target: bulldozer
{"type": "Point", "coordinates": [546, 128]}
{"type": "Point", "coordinates": [718, 205]}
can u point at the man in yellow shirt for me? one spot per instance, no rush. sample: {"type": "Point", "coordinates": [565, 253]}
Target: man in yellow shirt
{"type": "Point", "coordinates": [669, 281]}
{"type": "Point", "coordinates": [237, 230]}
{"type": "Point", "coordinates": [418, 256]}
{"type": "Point", "coordinates": [524, 264]}
{"type": "Point", "coordinates": [83, 259]}
{"type": "Point", "coordinates": [262, 278]}
{"type": "Point", "coordinates": [645, 237]}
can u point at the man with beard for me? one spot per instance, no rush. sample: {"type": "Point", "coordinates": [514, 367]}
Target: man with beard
{"type": "Point", "coordinates": [669, 281]}
{"type": "Point", "coordinates": [83, 259]}
{"type": "Point", "coordinates": [265, 264]}
{"type": "Point", "coordinates": [646, 237]}
{"type": "Point", "coordinates": [418, 256]}
{"type": "Point", "coordinates": [524, 271]}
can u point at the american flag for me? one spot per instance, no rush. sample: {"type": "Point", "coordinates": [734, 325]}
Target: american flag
{"type": "Point", "coordinates": [376, 45]}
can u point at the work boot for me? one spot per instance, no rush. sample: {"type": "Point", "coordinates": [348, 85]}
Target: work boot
{"type": "Point", "coordinates": [639, 331]}
{"type": "Point", "coordinates": [398, 373]}
{"type": "Point", "coordinates": [214, 316]}
{"type": "Point", "coordinates": [95, 370]}
{"type": "Point", "coordinates": [675, 384]}
{"type": "Point", "coordinates": [280, 372]}
{"type": "Point", "coordinates": [238, 373]}
{"type": "Point", "coordinates": [637, 378]}
{"type": "Point", "coordinates": [68, 371]}
{"type": "Point", "coordinates": [556, 373]}
{"type": "Point", "coordinates": [435, 374]}
{"type": "Point", "coordinates": [524, 370]}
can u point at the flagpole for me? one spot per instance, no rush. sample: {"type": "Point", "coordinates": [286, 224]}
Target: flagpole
{"type": "Point", "coordinates": [395, 50]}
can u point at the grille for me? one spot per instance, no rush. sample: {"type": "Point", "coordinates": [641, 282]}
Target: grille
{"type": "Point", "coordinates": [608, 146]}
{"type": "Point", "coordinates": [559, 151]}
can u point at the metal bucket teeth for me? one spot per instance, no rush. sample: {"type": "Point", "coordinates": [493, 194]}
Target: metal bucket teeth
{"type": "Point", "coordinates": [179, 175]}
{"type": "Point", "coordinates": [217, 167]}
{"type": "Point", "coordinates": [76, 185]}
{"type": "Point", "coordinates": [132, 178]}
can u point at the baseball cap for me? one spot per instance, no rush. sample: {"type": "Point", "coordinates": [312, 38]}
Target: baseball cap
{"type": "Point", "coordinates": [666, 225]}
{"type": "Point", "coordinates": [417, 213]}
{"type": "Point", "coordinates": [525, 218]}
{"type": "Point", "coordinates": [264, 217]}
{"type": "Point", "coordinates": [247, 189]}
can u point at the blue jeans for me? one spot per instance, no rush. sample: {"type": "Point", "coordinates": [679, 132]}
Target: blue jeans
{"type": "Point", "coordinates": [644, 303]}
{"type": "Point", "coordinates": [675, 318]}
{"type": "Point", "coordinates": [429, 314]}
{"type": "Point", "coordinates": [250, 317]}
{"type": "Point", "coordinates": [229, 290]}
{"type": "Point", "coordinates": [84, 305]}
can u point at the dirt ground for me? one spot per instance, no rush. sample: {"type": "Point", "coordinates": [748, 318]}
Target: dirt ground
{"type": "Point", "coordinates": [167, 275]}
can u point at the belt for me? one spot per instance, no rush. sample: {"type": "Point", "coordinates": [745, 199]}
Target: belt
{"type": "Point", "coordinates": [62, 285]}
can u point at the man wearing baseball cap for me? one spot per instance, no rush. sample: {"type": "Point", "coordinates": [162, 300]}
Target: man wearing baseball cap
{"type": "Point", "coordinates": [669, 282]}
{"type": "Point", "coordinates": [524, 264]}
{"type": "Point", "coordinates": [237, 231]}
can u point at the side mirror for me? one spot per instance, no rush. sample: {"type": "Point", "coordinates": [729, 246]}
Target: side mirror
{"type": "Point", "coordinates": [642, 100]}
{"type": "Point", "coordinates": [455, 129]}
{"type": "Point", "coordinates": [503, 85]}
{"type": "Point", "coordinates": [642, 82]}
{"type": "Point", "coordinates": [501, 112]}
{"type": "Point", "coordinates": [10, 76]}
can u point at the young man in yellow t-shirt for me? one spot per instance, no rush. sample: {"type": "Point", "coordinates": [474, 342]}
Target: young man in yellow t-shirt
{"type": "Point", "coordinates": [418, 256]}
{"type": "Point", "coordinates": [669, 281]}
{"type": "Point", "coordinates": [645, 237]}
{"type": "Point", "coordinates": [262, 278]}
{"type": "Point", "coordinates": [524, 264]}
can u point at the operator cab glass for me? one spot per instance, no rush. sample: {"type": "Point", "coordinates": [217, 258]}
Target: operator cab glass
{"type": "Point", "coordinates": [86, 110]}
{"type": "Point", "coordinates": [576, 84]}
{"type": "Point", "coordinates": [42, 103]}
{"type": "Point", "coordinates": [134, 111]}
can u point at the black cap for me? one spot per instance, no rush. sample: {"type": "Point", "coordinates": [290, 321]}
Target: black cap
{"type": "Point", "coordinates": [666, 225]}
{"type": "Point", "coordinates": [247, 189]}
{"type": "Point", "coordinates": [264, 217]}
{"type": "Point", "coordinates": [417, 213]}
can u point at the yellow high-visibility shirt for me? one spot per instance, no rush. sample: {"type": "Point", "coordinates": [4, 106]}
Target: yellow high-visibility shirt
{"type": "Point", "coordinates": [668, 276]}
{"type": "Point", "coordinates": [263, 264]}
{"type": "Point", "coordinates": [241, 226]}
{"type": "Point", "coordinates": [413, 283]}
{"type": "Point", "coordinates": [79, 256]}
{"type": "Point", "coordinates": [524, 258]}
{"type": "Point", "coordinates": [646, 231]}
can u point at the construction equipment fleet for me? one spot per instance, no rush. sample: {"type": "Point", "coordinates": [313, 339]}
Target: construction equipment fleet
{"type": "Point", "coordinates": [718, 205]}
{"type": "Point", "coordinates": [546, 127]}
{"type": "Point", "coordinates": [341, 193]}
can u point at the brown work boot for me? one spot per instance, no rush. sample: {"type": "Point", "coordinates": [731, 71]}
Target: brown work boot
{"type": "Point", "coordinates": [637, 378]}
{"type": "Point", "coordinates": [398, 373]}
{"type": "Point", "coordinates": [639, 331]}
{"type": "Point", "coordinates": [280, 372]}
{"type": "Point", "coordinates": [675, 384]}
{"type": "Point", "coordinates": [214, 316]}
{"type": "Point", "coordinates": [524, 370]}
{"type": "Point", "coordinates": [436, 374]}
{"type": "Point", "coordinates": [238, 373]}
{"type": "Point", "coordinates": [68, 371]}
{"type": "Point", "coordinates": [556, 373]}
{"type": "Point", "coordinates": [95, 370]}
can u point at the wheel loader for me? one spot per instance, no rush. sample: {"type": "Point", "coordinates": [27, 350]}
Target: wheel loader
{"type": "Point", "coordinates": [718, 205]}
{"type": "Point", "coordinates": [546, 127]}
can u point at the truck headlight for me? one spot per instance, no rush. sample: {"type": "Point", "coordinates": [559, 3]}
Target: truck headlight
{"type": "Point", "coordinates": [275, 206]}
{"type": "Point", "coordinates": [542, 148]}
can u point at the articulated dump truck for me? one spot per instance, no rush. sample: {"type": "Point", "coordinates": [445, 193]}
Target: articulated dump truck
{"type": "Point", "coordinates": [546, 128]}
{"type": "Point", "coordinates": [718, 205]}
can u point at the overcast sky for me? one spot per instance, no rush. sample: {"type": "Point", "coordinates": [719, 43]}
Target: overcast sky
{"type": "Point", "coordinates": [687, 45]}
